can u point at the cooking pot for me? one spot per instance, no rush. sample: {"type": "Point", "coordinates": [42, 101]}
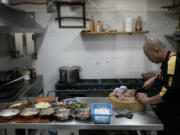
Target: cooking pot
{"type": "Point", "coordinates": [69, 74]}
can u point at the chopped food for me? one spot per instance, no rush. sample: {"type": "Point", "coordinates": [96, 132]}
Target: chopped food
{"type": "Point", "coordinates": [29, 112]}
{"type": "Point", "coordinates": [42, 105]}
{"type": "Point", "coordinates": [19, 104]}
{"type": "Point", "coordinates": [48, 111]}
{"type": "Point", "coordinates": [78, 105]}
{"type": "Point", "coordinates": [101, 111]}
{"type": "Point", "coordinates": [61, 105]}
{"type": "Point", "coordinates": [84, 115]}
{"type": "Point", "coordinates": [62, 114]}
{"type": "Point", "coordinates": [119, 92]}
{"type": "Point", "coordinates": [131, 94]}
{"type": "Point", "coordinates": [15, 105]}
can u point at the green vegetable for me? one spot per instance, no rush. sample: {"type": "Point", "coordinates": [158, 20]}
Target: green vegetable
{"type": "Point", "coordinates": [78, 105]}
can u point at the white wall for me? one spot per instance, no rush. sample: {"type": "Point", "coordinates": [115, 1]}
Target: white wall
{"type": "Point", "coordinates": [100, 56]}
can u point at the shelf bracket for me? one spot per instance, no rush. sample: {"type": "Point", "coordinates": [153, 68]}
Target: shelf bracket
{"type": "Point", "coordinates": [81, 3]}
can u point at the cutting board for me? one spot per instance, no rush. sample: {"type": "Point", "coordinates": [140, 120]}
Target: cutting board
{"type": "Point", "coordinates": [45, 99]}
{"type": "Point", "coordinates": [130, 103]}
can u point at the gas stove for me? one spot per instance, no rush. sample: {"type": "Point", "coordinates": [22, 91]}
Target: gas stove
{"type": "Point", "coordinates": [94, 87]}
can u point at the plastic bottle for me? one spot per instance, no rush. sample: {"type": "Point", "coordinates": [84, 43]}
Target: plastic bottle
{"type": "Point", "coordinates": [33, 73]}
{"type": "Point", "coordinates": [99, 26]}
{"type": "Point", "coordinates": [27, 74]}
{"type": "Point", "coordinates": [128, 24]}
{"type": "Point", "coordinates": [139, 24]}
{"type": "Point", "coordinates": [178, 27]}
{"type": "Point", "coordinates": [92, 25]}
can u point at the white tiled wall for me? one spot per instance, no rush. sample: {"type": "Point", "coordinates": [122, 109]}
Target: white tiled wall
{"type": "Point", "coordinates": [100, 56]}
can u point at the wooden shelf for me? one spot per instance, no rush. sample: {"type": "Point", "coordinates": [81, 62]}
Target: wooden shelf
{"type": "Point", "coordinates": [135, 32]}
{"type": "Point", "coordinates": [169, 36]}
{"type": "Point", "coordinates": [177, 8]}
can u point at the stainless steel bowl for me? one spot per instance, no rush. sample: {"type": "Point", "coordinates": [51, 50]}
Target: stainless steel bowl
{"type": "Point", "coordinates": [9, 113]}
{"type": "Point", "coordinates": [19, 105]}
{"type": "Point", "coordinates": [47, 112]}
{"type": "Point", "coordinates": [62, 114]}
{"type": "Point", "coordinates": [29, 113]}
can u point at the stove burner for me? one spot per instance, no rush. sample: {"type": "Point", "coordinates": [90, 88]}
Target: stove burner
{"type": "Point", "coordinates": [94, 86]}
{"type": "Point", "coordinates": [88, 81]}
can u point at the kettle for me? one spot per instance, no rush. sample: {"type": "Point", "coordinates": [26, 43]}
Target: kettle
{"type": "Point", "coordinates": [69, 74]}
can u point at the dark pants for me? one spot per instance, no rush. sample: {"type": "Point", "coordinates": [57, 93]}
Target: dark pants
{"type": "Point", "coordinates": [170, 117]}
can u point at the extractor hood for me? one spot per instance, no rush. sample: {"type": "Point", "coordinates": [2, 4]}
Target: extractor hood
{"type": "Point", "coordinates": [14, 20]}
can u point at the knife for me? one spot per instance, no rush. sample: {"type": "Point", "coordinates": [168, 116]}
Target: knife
{"type": "Point", "coordinates": [140, 90]}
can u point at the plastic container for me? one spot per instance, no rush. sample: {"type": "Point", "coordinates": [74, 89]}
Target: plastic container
{"type": "Point", "coordinates": [99, 26]}
{"type": "Point", "coordinates": [129, 24]}
{"type": "Point", "coordinates": [104, 116]}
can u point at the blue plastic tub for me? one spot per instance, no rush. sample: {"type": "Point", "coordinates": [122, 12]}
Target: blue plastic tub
{"type": "Point", "coordinates": [101, 118]}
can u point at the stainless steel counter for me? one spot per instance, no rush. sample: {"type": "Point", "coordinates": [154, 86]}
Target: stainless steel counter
{"type": "Point", "coordinates": [141, 121]}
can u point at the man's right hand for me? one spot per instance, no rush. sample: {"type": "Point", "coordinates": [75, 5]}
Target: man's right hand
{"type": "Point", "coordinates": [149, 83]}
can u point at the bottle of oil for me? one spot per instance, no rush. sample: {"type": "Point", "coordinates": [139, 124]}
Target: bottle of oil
{"type": "Point", "coordinates": [178, 26]}
{"type": "Point", "coordinates": [139, 24]}
{"type": "Point", "coordinates": [92, 25]}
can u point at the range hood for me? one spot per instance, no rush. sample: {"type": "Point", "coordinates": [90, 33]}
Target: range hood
{"type": "Point", "coordinates": [14, 20]}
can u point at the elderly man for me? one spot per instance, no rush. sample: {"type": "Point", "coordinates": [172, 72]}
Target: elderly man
{"type": "Point", "coordinates": [167, 85]}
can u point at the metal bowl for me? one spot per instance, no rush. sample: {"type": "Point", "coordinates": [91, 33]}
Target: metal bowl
{"type": "Point", "coordinates": [47, 112]}
{"type": "Point", "coordinates": [29, 113]}
{"type": "Point", "coordinates": [62, 114]}
{"type": "Point", "coordinates": [9, 113]}
{"type": "Point", "coordinates": [82, 114]}
{"type": "Point", "coordinates": [19, 105]}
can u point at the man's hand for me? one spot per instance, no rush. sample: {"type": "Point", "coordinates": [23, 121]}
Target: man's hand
{"type": "Point", "coordinates": [149, 83]}
{"type": "Point", "coordinates": [142, 97]}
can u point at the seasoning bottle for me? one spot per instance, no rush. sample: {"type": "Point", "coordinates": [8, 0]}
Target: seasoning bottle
{"type": "Point", "coordinates": [27, 75]}
{"type": "Point", "coordinates": [178, 27]}
{"type": "Point", "coordinates": [92, 25]}
{"type": "Point", "coordinates": [139, 24]}
{"type": "Point", "coordinates": [99, 26]}
{"type": "Point", "coordinates": [33, 73]}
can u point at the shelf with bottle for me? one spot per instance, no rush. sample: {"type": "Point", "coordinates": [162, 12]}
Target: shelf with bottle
{"type": "Point", "coordinates": [97, 28]}
{"type": "Point", "coordinates": [177, 8]}
{"type": "Point", "coordinates": [115, 32]}
{"type": "Point", "coordinates": [173, 8]}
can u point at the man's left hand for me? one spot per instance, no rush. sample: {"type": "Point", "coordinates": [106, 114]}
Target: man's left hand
{"type": "Point", "coordinates": [142, 97]}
